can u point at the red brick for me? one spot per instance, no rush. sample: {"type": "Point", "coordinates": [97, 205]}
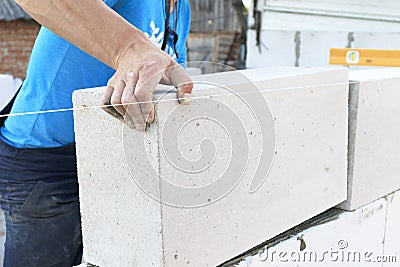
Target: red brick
{"type": "Point", "coordinates": [16, 42]}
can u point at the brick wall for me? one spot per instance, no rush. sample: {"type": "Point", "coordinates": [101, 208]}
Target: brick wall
{"type": "Point", "coordinates": [16, 42]}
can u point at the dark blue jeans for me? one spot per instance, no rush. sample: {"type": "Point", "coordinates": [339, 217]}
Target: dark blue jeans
{"type": "Point", "coordinates": [39, 196]}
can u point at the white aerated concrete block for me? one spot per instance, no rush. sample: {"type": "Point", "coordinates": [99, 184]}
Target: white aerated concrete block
{"type": "Point", "coordinates": [377, 40]}
{"type": "Point", "coordinates": [6, 89]}
{"type": "Point", "coordinates": [374, 144]}
{"type": "Point", "coordinates": [200, 161]}
{"type": "Point", "coordinates": [350, 239]}
{"type": "Point", "coordinates": [277, 48]}
{"type": "Point", "coordinates": [315, 46]}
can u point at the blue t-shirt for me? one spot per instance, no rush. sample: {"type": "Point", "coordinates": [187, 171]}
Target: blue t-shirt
{"type": "Point", "coordinates": [57, 68]}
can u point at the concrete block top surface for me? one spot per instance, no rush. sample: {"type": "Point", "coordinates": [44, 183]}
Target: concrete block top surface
{"type": "Point", "coordinates": [249, 75]}
{"type": "Point", "coordinates": [254, 154]}
{"type": "Point", "coordinates": [374, 74]}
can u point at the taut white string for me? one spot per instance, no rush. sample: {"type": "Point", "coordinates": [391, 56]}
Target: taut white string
{"type": "Point", "coordinates": [166, 100]}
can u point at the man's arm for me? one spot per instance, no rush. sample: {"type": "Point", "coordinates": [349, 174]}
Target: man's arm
{"type": "Point", "coordinates": [101, 32]}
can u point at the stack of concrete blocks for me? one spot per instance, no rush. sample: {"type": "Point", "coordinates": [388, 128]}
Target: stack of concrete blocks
{"type": "Point", "coordinates": [301, 32]}
{"type": "Point", "coordinates": [367, 232]}
{"type": "Point", "coordinates": [310, 48]}
{"type": "Point", "coordinates": [128, 221]}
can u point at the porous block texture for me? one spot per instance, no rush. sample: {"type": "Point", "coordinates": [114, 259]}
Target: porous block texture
{"type": "Point", "coordinates": [254, 154]}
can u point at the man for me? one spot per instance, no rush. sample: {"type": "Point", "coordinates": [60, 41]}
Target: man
{"type": "Point", "coordinates": [38, 183]}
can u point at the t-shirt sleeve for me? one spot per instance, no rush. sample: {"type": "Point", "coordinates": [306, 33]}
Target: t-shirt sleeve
{"type": "Point", "coordinates": [110, 3]}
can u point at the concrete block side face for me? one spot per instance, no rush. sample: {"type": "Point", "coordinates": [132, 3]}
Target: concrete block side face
{"type": "Point", "coordinates": [308, 175]}
{"type": "Point", "coordinates": [121, 225]}
{"type": "Point", "coordinates": [374, 74]}
{"type": "Point", "coordinates": [351, 239]}
{"type": "Point", "coordinates": [392, 235]}
{"type": "Point", "coordinates": [376, 157]}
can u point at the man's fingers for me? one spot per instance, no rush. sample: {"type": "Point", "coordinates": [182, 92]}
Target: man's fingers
{"type": "Point", "coordinates": [116, 97]}
{"type": "Point", "coordinates": [127, 96]}
{"type": "Point", "coordinates": [181, 80]}
{"type": "Point", "coordinates": [105, 102]}
{"type": "Point", "coordinates": [151, 116]}
{"type": "Point", "coordinates": [148, 80]}
{"type": "Point", "coordinates": [133, 115]}
{"type": "Point", "coordinates": [184, 93]}
{"type": "Point", "coordinates": [130, 84]}
{"type": "Point", "coordinates": [132, 97]}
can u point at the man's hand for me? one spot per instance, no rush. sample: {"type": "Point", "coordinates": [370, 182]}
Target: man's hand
{"type": "Point", "coordinates": [101, 32]}
{"type": "Point", "coordinates": [138, 73]}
